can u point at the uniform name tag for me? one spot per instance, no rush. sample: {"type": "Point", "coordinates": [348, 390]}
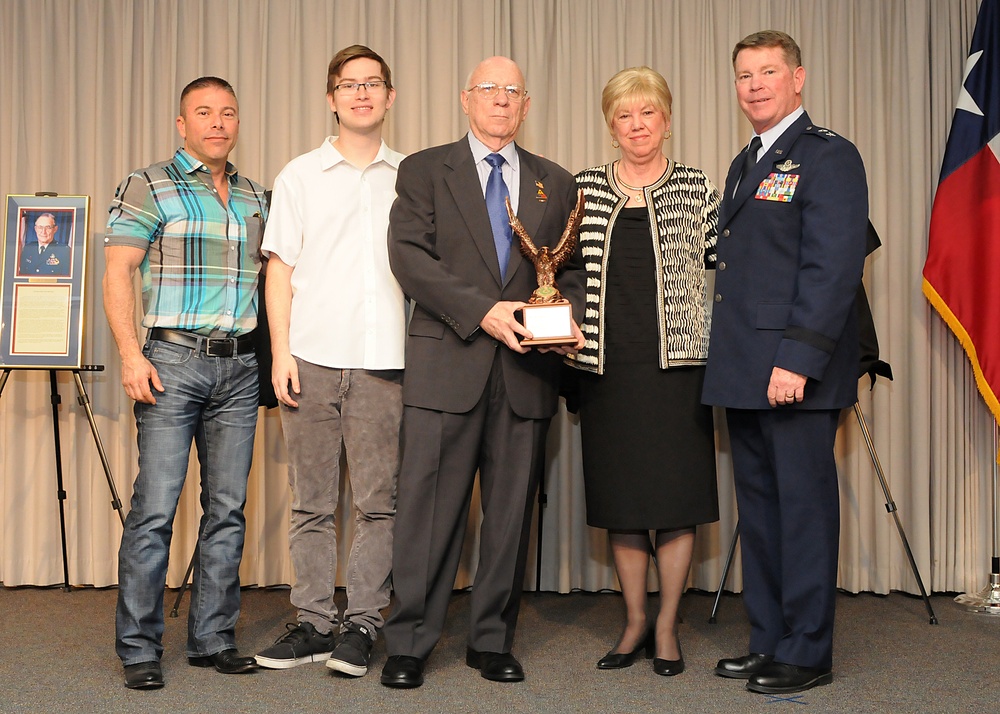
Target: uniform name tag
{"type": "Point", "coordinates": [777, 187]}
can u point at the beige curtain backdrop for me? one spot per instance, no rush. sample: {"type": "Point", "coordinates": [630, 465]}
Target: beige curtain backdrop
{"type": "Point", "coordinates": [88, 91]}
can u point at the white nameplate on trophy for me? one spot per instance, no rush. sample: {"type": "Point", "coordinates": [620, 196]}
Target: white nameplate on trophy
{"type": "Point", "coordinates": [549, 323]}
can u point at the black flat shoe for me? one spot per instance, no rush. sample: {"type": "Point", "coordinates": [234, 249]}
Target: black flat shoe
{"type": "Point", "coordinates": [402, 672]}
{"type": "Point", "coordinates": [227, 662]}
{"type": "Point", "coordinates": [621, 660]}
{"type": "Point", "coordinates": [495, 666]}
{"type": "Point", "coordinates": [145, 675]}
{"type": "Point", "coordinates": [780, 678]}
{"type": "Point", "coordinates": [742, 667]}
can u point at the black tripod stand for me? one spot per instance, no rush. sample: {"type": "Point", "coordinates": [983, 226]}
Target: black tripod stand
{"type": "Point", "coordinates": [84, 401]}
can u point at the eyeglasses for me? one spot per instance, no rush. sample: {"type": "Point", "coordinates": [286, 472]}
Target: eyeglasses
{"type": "Point", "coordinates": [44, 228]}
{"type": "Point", "coordinates": [353, 87]}
{"type": "Point", "coordinates": [488, 90]}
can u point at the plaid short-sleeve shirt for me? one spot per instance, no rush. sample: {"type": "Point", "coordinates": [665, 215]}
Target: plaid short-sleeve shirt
{"type": "Point", "coordinates": [202, 257]}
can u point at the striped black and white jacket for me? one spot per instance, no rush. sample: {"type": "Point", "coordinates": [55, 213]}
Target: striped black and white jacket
{"type": "Point", "coordinates": [683, 209]}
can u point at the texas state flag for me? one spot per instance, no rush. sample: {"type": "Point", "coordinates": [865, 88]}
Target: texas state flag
{"type": "Point", "coordinates": [962, 272]}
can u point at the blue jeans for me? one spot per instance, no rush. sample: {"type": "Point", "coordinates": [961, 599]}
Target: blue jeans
{"type": "Point", "coordinates": [212, 400]}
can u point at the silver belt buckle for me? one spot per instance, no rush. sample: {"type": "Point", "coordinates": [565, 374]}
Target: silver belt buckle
{"type": "Point", "coordinates": [220, 346]}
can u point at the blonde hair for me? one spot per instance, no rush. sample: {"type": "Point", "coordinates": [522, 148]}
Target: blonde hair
{"type": "Point", "coordinates": [635, 84]}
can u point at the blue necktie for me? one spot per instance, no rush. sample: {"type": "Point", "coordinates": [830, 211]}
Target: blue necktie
{"type": "Point", "coordinates": [496, 193]}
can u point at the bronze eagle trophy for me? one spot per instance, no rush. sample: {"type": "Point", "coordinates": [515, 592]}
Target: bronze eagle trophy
{"type": "Point", "coordinates": [548, 261]}
{"type": "Point", "coordinates": [548, 315]}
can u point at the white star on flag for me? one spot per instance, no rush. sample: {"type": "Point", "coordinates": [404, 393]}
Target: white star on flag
{"type": "Point", "coordinates": [965, 100]}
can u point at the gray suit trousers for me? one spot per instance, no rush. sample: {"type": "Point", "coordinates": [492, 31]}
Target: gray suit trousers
{"type": "Point", "coordinates": [441, 455]}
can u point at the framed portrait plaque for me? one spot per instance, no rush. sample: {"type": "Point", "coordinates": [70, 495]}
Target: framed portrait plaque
{"type": "Point", "coordinates": [42, 281]}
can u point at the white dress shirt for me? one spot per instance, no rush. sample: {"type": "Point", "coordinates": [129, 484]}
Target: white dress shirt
{"type": "Point", "coordinates": [329, 220]}
{"type": "Point", "coordinates": [770, 136]}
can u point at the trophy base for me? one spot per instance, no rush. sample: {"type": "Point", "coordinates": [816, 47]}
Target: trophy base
{"type": "Point", "coordinates": [551, 324]}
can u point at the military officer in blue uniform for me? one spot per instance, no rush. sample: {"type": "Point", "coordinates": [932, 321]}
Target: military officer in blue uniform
{"type": "Point", "coordinates": [783, 360]}
{"type": "Point", "coordinates": [44, 256]}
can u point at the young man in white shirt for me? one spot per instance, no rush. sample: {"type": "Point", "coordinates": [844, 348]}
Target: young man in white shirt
{"type": "Point", "coordinates": [337, 321]}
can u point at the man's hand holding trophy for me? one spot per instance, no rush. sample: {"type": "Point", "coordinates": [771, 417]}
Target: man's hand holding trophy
{"type": "Point", "coordinates": [548, 315]}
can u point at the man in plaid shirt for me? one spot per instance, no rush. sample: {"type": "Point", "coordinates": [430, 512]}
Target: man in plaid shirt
{"type": "Point", "coordinates": [192, 227]}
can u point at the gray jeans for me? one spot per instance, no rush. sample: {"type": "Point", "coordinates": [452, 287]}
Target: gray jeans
{"type": "Point", "coordinates": [362, 410]}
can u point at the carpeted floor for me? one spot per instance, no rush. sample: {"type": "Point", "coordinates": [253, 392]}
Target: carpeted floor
{"type": "Point", "coordinates": [57, 655]}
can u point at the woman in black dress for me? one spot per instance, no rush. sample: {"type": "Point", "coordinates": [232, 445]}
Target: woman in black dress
{"type": "Point", "coordinates": [648, 442]}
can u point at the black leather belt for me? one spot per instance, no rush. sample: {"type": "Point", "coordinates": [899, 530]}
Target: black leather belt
{"type": "Point", "coordinates": [211, 346]}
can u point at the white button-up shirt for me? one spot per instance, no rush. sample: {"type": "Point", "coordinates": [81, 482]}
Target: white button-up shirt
{"type": "Point", "coordinates": [329, 220]}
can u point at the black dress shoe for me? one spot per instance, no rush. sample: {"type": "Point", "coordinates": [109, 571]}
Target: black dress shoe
{"type": "Point", "coordinates": [145, 675]}
{"type": "Point", "coordinates": [495, 666]}
{"type": "Point", "coordinates": [620, 660]}
{"type": "Point", "coordinates": [780, 678]}
{"type": "Point", "coordinates": [742, 667]}
{"type": "Point", "coordinates": [227, 662]}
{"type": "Point", "coordinates": [403, 672]}
{"type": "Point", "coordinates": [669, 667]}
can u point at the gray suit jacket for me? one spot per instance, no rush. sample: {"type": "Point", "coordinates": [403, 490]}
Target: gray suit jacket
{"type": "Point", "coordinates": [442, 253]}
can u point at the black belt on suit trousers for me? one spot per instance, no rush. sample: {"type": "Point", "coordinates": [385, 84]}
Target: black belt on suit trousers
{"type": "Point", "coordinates": [210, 346]}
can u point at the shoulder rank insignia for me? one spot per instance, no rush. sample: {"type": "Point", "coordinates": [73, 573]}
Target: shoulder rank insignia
{"type": "Point", "coordinates": [825, 132]}
{"type": "Point", "coordinates": [786, 166]}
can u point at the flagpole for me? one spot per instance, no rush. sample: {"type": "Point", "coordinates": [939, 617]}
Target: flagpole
{"type": "Point", "coordinates": [987, 600]}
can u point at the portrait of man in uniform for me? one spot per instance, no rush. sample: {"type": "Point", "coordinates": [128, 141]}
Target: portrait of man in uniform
{"type": "Point", "coordinates": [45, 255]}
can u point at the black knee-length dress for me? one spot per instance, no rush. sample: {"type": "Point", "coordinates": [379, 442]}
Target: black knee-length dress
{"type": "Point", "coordinates": [648, 441]}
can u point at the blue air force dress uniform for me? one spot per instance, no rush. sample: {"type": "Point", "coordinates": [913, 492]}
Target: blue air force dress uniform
{"type": "Point", "coordinates": [790, 256]}
{"type": "Point", "coordinates": [54, 259]}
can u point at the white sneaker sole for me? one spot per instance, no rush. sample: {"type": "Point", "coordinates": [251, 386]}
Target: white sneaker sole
{"type": "Point", "coordinates": [346, 667]}
{"type": "Point", "coordinates": [270, 663]}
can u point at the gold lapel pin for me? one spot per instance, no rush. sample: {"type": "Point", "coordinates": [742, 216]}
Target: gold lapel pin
{"type": "Point", "coordinates": [540, 193]}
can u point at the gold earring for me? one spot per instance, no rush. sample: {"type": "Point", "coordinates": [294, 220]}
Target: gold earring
{"type": "Point", "coordinates": [614, 144]}
{"type": "Point", "coordinates": [668, 134]}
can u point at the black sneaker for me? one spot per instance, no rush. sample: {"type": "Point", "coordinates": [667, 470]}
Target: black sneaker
{"type": "Point", "coordinates": [302, 644]}
{"type": "Point", "coordinates": [353, 650]}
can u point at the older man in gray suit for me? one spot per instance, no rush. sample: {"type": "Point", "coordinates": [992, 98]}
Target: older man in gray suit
{"type": "Point", "coordinates": [474, 397]}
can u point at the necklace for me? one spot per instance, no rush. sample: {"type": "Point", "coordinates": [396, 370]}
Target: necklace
{"type": "Point", "coordinates": [638, 192]}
